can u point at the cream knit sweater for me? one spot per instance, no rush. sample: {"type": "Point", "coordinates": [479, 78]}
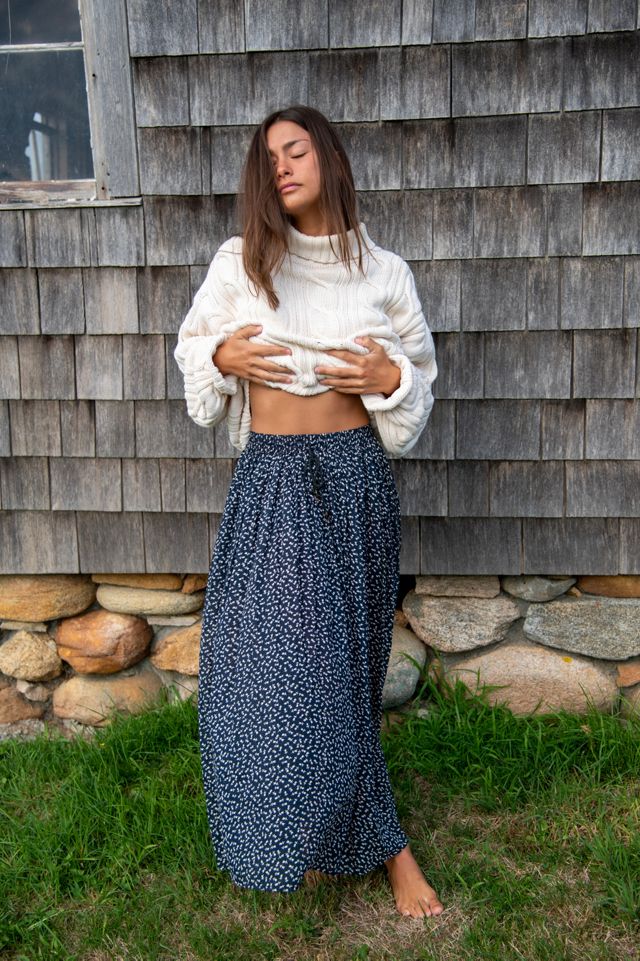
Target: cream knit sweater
{"type": "Point", "coordinates": [321, 307]}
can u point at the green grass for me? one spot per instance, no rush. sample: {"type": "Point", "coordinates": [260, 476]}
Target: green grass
{"type": "Point", "coordinates": [527, 827]}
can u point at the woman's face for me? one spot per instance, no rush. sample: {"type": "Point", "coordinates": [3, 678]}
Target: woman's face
{"type": "Point", "coordinates": [295, 161]}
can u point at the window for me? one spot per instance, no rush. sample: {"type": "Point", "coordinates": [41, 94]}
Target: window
{"type": "Point", "coordinates": [55, 143]}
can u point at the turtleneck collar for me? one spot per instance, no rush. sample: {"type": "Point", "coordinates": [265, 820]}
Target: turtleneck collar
{"type": "Point", "coordinates": [319, 248]}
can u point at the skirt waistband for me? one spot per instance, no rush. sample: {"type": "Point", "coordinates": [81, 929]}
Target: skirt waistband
{"type": "Point", "coordinates": [333, 438]}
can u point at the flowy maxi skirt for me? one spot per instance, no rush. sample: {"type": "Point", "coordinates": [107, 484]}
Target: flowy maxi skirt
{"type": "Point", "coordinates": [295, 644]}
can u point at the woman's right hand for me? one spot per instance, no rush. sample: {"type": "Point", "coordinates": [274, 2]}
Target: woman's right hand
{"type": "Point", "coordinates": [236, 355]}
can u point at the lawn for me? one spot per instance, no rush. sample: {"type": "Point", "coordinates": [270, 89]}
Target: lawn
{"type": "Point", "coordinates": [527, 827]}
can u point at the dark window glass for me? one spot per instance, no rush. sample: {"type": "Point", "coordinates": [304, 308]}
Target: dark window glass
{"type": "Point", "coordinates": [44, 122]}
{"type": "Point", "coordinates": [39, 21]}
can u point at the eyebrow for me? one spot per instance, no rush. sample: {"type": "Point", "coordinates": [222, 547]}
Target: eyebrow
{"type": "Point", "coordinates": [290, 143]}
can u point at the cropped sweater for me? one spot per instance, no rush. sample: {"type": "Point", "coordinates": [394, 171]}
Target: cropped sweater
{"type": "Point", "coordinates": [322, 307]}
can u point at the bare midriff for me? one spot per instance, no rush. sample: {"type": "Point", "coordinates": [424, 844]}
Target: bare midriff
{"type": "Point", "coordinates": [276, 411]}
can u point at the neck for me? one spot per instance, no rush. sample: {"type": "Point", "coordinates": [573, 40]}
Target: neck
{"type": "Point", "coordinates": [325, 248]}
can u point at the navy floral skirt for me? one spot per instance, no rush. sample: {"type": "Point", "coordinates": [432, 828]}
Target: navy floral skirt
{"type": "Point", "coordinates": [295, 643]}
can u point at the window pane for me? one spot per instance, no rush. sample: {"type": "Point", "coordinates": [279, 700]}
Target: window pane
{"type": "Point", "coordinates": [39, 21]}
{"type": "Point", "coordinates": [44, 122]}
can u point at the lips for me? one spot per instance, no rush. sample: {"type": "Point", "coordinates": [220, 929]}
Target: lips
{"type": "Point", "coordinates": [286, 187]}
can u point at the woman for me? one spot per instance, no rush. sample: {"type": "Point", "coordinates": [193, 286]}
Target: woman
{"type": "Point", "coordinates": [314, 347]}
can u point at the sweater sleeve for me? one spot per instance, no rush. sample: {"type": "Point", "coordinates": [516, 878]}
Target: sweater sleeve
{"type": "Point", "coordinates": [207, 324]}
{"type": "Point", "coordinates": [401, 417]}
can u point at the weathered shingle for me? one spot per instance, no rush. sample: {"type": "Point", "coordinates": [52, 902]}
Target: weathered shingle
{"type": "Point", "coordinates": [498, 429]}
{"type": "Point", "coordinates": [422, 487]}
{"type": "Point", "coordinates": [621, 144]}
{"type": "Point", "coordinates": [36, 427]}
{"type": "Point", "coordinates": [47, 367]}
{"type": "Point", "coordinates": [98, 360]}
{"type": "Point", "coordinates": [564, 545]}
{"type": "Point", "coordinates": [506, 77]}
{"type": "Point", "coordinates": [40, 542]}
{"type": "Point", "coordinates": [170, 160]}
{"type": "Point", "coordinates": [79, 483]}
{"type": "Point", "coordinates": [532, 363]}
{"type": "Point", "coordinates": [373, 24]}
{"type": "Point", "coordinates": [207, 483]}
{"type": "Point", "coordinates": [591, 292]}
{"type": "Point", "coordinates": [611, 218]}
{"type": "Point", "coordinates": [19, 307]}
{"type": "Point", "coordinates": [164, 429]}
{"type": "Point", "coordinates": [13, 241]}
{"type": "Point", "coordinates": [563, 430]}
{"type": "Point", "coordinates": [604, 15]}
{"type": "Point", "coordinates": [221, 26]}
{"type": "Point", "coordinates": [61, 300]}
{"type": "Point", "coordinates": [414, 82]}
{"type": "Point", "coordinates": [120, 235]}
{"type": "Point", "coordinates": [111, 542]}
{"type": "Point", "coordinates": [161, 89]}
{"type": "Point", "coordinates": [601, 441]}
{"type": "Point", "coordinates": [161, 28]}
{"type": "Point", "coordinates": [603, 488]}
{"type": "Point", "coordinates": [143, 365]}
{"type": "Point", "coordinates": [110, 300]}
{"type": "Point", "coordinates": [549, 18]}
{"type": "Point", "coordinates": [24, 483]}
{"type": "Point", "coordinates": [601, 71]}
{"type": "Point", "coordinates": [563, 147]}
{"type": "Point", "coordinates": [500, 19]}
{"type": "Point", "coordinates": [526, 489]}
{"type": "Point", "coordinates": [141, 484]}
{"type": "Point", "coordinates": [470, 545]}
{"type": "Point", "coordinates": [493, 294]}
{"type": "Point", "coordinates": [510, 222]}
{"type": "Point", "coordinates": [604, 363]}
{"type": "Point", "coordinates": [176, 542]}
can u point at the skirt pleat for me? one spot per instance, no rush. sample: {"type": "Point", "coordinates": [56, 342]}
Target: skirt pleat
{"type": "Point", "coordinates": [295, 644]}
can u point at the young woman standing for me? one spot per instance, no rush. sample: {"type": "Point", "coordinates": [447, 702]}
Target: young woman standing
{"type": "Point", "coordinates": [311, 341]}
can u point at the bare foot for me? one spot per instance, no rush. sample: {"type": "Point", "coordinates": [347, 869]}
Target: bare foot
{"type": "Point", "coordinates": [413, 896]}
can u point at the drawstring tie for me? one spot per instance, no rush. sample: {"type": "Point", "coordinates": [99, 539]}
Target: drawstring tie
{"type": "Point", "coordinates": [317, 479]}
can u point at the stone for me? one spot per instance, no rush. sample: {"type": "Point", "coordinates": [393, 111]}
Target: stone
{"type": "Point", "coordinates": [459, 623]}
{"type": "Point", "coordinates": [44, 597]}
{"type": "Point", "coordinates": [177, 650]}
{"type": "Point", "coordinates": [30, 656]}
{"type": "Point", "coordinates": [150, 582]}
{"type": "Point", "coordinates": [33, 692]}
{"type": "Point", "coordinates": [402, 674]}
{"type": "Point", "coordinates": [91, 699]}
{"type": "Point", "coordinates": [533, 673]}
{"type": "Point", "coordinates": [458, 585]}
{"type": "Point", "coordinates": [13, 707]}
{"type": "Point", "coordinates": [194, 582]}
{"type": "Point", "coordinates": [134, 600]}
{"type": "Point", "coordinates": [182, 620]}
{"type": "Point", "coordinates": [605, 627]}
{"type": "Point", "coordinates": [617, 585]}
{"type": "Point", "coordinates": [533, 588]}
{"type": "Point", "coordinates": [630, 702]}
{"type": "Point", "coordinates": [629, 672]}
{"type": "Point", "coordinates": [180, 686]}
{"type": "Point", "coordinates": [103, 642]}
{"type": "Point", "coordinates": [35, 626]}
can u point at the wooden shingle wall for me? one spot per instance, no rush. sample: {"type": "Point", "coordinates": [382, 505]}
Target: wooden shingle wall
{"type": "Point", "coordinates": [495, 145]}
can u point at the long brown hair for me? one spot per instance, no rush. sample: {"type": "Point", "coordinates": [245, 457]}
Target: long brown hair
{"type": "Point", "coordinates": [260, 212]}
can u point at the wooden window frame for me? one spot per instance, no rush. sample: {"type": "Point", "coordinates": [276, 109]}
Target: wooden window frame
{"type": "Point", "coordinates": [107, 63]}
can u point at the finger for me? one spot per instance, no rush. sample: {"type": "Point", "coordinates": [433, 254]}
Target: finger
{"type": "Point", "coordinates": [249, 330]}
{"type": "Point", "coordinates": [265, 349]}
{"type": "Point", "coordinates": [265, 368]}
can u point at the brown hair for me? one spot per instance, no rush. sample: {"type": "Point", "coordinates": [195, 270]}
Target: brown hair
{"type": "Point", "coordinates": [259, 205]}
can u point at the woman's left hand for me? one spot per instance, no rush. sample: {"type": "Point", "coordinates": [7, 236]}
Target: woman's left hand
{"type": "Point", "coordinates": [369, 373]}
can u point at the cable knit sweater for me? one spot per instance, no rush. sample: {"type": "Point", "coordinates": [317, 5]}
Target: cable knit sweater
{"type": "Point", "coordinates": [321, 307]}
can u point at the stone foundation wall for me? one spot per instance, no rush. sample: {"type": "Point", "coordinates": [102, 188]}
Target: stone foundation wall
{"type": "Point", "coordinates": [73, 648]}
